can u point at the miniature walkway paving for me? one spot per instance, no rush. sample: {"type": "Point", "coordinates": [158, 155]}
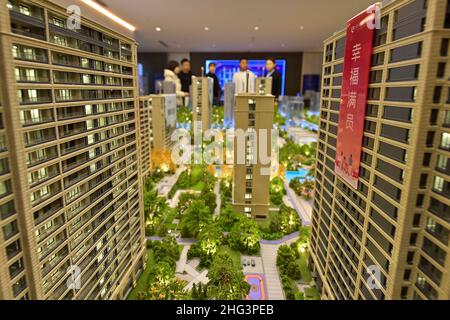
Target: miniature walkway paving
{"type": "Point", "coordinates": [167, 183]}
{"type": "Point", "coordinates": [303, 207]}
{"type": "Point", "coordinates": [176, 198]}
{"type": "Point", "coordinates": [183, 266]}
{"type": "Point", "coordinates": [269, 258]}
{"type": "Point", "coordinates": [218, 199]}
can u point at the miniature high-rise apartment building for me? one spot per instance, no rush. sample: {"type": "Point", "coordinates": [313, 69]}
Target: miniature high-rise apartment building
{"type": "Point", "coordinates": [251, 182]}
{"type": "Point", "coordinates": [229, 104]}
{"type": "Point", "coordinates": [158, 122]}
{"type": "Point", "coordinates": [397, 221]}
{"type": "Point", "coordinates": [71, 200]}
{"type": "Point", "coordinates": [202, 101]}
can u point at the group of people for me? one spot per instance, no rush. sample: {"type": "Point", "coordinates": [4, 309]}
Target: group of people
{"type": "Point", "coordinates": [244, 80]}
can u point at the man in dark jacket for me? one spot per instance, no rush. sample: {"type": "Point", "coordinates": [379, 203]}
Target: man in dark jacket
{"type": "Point", "coordinates": [217, 91]}
{"type": "Point", "coordinates": [185, 75]}
{"type": "Point", "coordinates": [277, 82]}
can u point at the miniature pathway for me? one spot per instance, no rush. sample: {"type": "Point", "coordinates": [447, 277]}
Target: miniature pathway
{"type": "Point", "coordinates": [269, 258]}
{"type": "Point", "coordinates": [218, 199]}
{"type": "Point", "coordinates": [173, 203]}
{"type": "Point", "coordinates": [167, 183]}
{"type": "Point", "coordinates": [183, 266]}
{"type": "Point", "coordinates": [303, 208]}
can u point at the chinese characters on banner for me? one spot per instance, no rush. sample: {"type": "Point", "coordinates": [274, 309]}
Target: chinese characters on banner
{"type": "Point", "coordinates": [355, 82]}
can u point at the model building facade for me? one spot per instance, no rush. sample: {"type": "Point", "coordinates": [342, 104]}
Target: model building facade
{"type": "Point", "coordinates": [202, 101]}
{"type": "Point", "coordinates": [252, 176]}
{"type": "Point", "coordinates": [397, 220]}
{"type": "Point", "coordinates": [158, 122]}
{"type": "Point", "coordinates": [70, 199]}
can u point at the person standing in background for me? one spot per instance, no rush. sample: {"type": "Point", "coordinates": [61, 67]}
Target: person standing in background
{"type": "Point", "coordinates": [244, 80]}
{"type": "Point", "coordinates": [171, 74]}
{"type": "Point", "coordinates": [217, 90]}
{"type": "Point", "coordinates": [272, 72]}
{"type": "Point", "coordinates": [185, 75]}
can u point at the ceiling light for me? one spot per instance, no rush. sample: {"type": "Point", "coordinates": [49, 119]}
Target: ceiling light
{"type": "Point", "coordinates": [302, 27]}
{"type": "Point", "coordinates": [109, 14]}
{"type": "Point", "coordinates": [256, 28]}
{"type": "Point", "coordinates": [158, 29]}
{"type": "Point", "coordinates": [283, 45]}
{"type": "Point", "coordinates": [206, 28]}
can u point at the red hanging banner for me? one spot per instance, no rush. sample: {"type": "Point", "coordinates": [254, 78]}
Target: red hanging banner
{"type": "Point", "coordinates": [355, 83]}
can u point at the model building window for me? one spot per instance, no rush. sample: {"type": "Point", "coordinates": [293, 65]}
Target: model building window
{"type": "Point", "coordinates": [5, 187]}
{"type": "Point", "coordinates": [441, 163]}
{"type": "Point", "coordinates": [441, 70]}
{"type": "Point", "coordinates": [445, 141]}
{"type": "Point", "coordinates": [60, 40]}
{"type": "Point", "coordinates": [438, 184]}
{"type": "Point", "coordinates": [444, 47]}
{"type": "Point", "coordinates": [58, 22]}
{"type": "Point", "coordinates": [381, 33]}
{"type": "Point", "coordinates": [437, 94]}
{"type": "Point", "coordinates": [24, 10]}
{"type": "Point", "coordinates": [447, 16]}
{"type": "Point", "coordinates": [378, 59]}
{"type": "Point", "coordinates": [84, 62]}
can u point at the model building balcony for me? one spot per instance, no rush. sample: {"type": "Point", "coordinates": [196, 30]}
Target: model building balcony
{"type": "Point", "coordinates": [21, 52]}
{"type": "Point", "coordinates": [114, 68]}
{"type": "Point", "coordinates": [73, 145]}
{"type": "Point", "coordinates": [47, 211]}
{"type": "Point", "coordinates": [19, 8]}
{"type": "Point", "coordinates": [127, 71]}
{"type": "Point", "coordinates": [443, 164]}
{"type": "Point", "coordinates": [34, 96]}
{"type": "Point", "coordinates": [39, 156]}
{"type": "Point", "coordinates": [28, 30]}
{"type": "Point", "coordinates": [32, 75]}
{"type": "Point", "coordinates": [127, 93]}
{"type": "Point", "coordinates": [72, 129]}
{"type": "Point", "coordinates": [67, 77]}
{"type": "Point", "coordinates": [112, 81]}
{"type": "Point", "coordinates": [43, 174]}
{"type": "Point", "coordinates": [128, 82]}
{"type": "Point", "coordinates": [64, 41]}
{"type": "Point", "coordinates": [66, 60]}
{"type": "Point", "coordinates": [125, 57]}
{"type": "Point", "coordinates": [36, 137]}
{"type": "Point", "coordinates": [110, 41]}
{"type": "Point", "coordinates": [47, 229]}
{"type": "Point", "coordinates": [71, 112]}
{"type": "Point", "coordinates": [445, 141]}
{"type": "Point", "coordinates": [51, 244]}
{"type": "Point", "coordinates": [44, 193]}
{"type": "Point", "coordinates": [36, 116]}
{"type": "Point", "coordinates": [47, 266]}
{"type": "Point", "coordinates": [111, 54]}
{"type": "Point", "coordinates": [441, 186]}
{"type": "Point", "coordinates": [64, 95]}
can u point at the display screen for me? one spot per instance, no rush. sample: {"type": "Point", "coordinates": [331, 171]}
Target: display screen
{"type": "Point", "coordinates": [227, 68]}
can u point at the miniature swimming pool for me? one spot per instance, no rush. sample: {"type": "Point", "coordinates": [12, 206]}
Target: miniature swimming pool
{"type": "Point", "coordinates": [301, 173]}
{"type": "Point", "coordinates": [257, 289]}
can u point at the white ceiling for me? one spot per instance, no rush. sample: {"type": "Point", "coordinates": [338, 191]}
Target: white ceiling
{"type": "Point", "coordinates": [231, 23]}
